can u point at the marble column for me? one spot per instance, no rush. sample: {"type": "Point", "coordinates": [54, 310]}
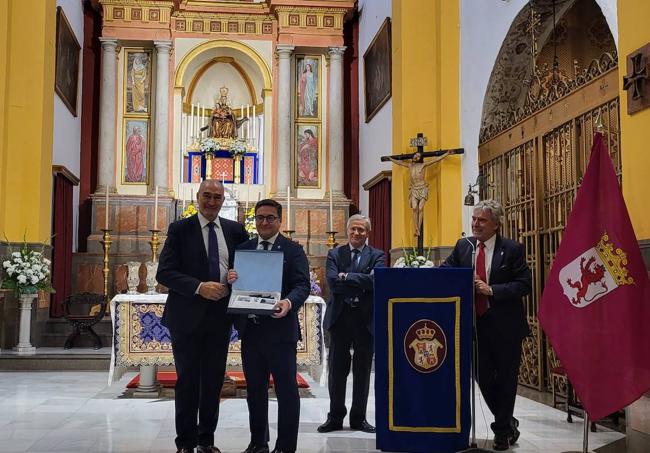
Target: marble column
{"type": "Point", "coordinates": [106, 159]}
{"type": "Point", "coordinates": [284, 119]}
{"type": "Point", "coordinates": [336, 123]}
{"type": "Point", "coordinates": [161, 131]}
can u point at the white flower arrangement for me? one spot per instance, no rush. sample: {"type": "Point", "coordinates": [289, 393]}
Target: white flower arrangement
{"type": "Point", "coordinates": [26, 271]}
{"type": "Point", "coordinates": [412, 259]}
{"type": "Point", "coordinates": [209, 146]}
{"type": "Point", "coordinates": [238, 147]}
{"type": "Point", "coordinates": [249, 222]}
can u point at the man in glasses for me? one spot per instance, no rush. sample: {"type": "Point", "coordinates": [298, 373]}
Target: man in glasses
{"type": "Point", "coordinates": [194, 265]}
{"type": "Point", "coordinates": [269, 342]}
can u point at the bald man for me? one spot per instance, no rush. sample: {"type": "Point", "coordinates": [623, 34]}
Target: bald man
{"type": "Point", "coordinates": [194, 265]}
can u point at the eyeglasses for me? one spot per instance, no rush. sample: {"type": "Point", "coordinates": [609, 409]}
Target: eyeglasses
{"type": "Point", "coordinates": [268, 218]}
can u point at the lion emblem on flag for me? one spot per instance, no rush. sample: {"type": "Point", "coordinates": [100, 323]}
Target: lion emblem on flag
{"type": "Point", "coordinates": [594, 273]}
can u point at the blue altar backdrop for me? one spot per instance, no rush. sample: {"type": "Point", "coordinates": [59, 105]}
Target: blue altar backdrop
{"type": "Point", "coordinates": [423, 324]}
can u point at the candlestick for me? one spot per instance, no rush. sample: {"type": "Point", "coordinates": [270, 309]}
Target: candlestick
{"type": "Point", "coordinates": [154, 243]}
{"type": "Point", "coordinates": [288, 208]}
{"type": "Point", "coordinates": [331, 212]}
{"type": "Point", "coordinates": [223, 177]}
{"type": "Point", "coordinates": [248, 126]}
{"type": "Point", "coordinates": [106, 245]}
{"type": "Point", "coordinates": [248, 191]}
{"type": "Point", "coordinates": [331, 239]}
{"type": "Point", "coordinates": [106, 213]}
{"type": "Point", "coordinates": [155, 210]}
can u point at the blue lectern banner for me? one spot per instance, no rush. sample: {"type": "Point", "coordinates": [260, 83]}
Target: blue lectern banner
{"type": "Point", "coordinates": [423, 359]}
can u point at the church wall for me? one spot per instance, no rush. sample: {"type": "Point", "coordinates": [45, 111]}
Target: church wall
{"type": "Point", "coordinates": [67, 128]}
{"type": "Point", "coordinates": [632, 17]}
{"type": "Point", "coordinates": [376, 136]}
{"type": "Point", "coordinates": [27, 82]}
{"type": "Point", "coordinates": [426, 65]}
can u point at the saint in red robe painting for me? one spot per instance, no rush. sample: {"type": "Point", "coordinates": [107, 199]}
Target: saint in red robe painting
{"type": "Point", "coordinates": [135, 156]}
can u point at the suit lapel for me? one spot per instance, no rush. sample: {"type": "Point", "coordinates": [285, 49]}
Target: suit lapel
{"type": "Point", "coordinates": [497, 256]}
{"type": "Point", "coordinates": [228, 238]}
{"type": "Point", "coordinates": [278, 245]}
{"type": "Point", "coordinates": [198, 240]}
{"type": "Point", "coordinates": [346, 257]}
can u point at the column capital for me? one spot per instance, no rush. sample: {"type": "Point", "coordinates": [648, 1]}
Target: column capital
{"type": "Point", "coordinates": [283, 50]}
{"type": "Point", "coordinates": [108, 44]}
{"type": "Point", "coordinates": [163, 46]}
{"type": "Point", "coordinates": [336, 52]}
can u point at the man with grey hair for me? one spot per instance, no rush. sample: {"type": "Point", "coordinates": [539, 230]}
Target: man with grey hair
{"type": "Point", "coordinates": [501, 280]}
{"type": "Point", "coordinates": [350, 321]}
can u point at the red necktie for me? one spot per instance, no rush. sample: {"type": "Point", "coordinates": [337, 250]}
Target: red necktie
{"type": "Point", "coordinates": [481, 300]}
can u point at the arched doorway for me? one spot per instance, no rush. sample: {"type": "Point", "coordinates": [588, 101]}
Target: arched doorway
{"type": "Point", "coordinates": [556, 73]}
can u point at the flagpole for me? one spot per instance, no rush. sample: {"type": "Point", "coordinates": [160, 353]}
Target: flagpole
{"type": "Point", "coordinates": [585, 436]}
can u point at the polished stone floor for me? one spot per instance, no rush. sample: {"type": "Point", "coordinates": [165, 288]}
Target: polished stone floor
{"type": "Point", "coordinates": [77, 412]}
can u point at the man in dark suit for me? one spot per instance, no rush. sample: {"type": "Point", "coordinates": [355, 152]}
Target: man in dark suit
{"type": "Point", "coordinates": [350, 321]}
{"type": "Point", "coordinates": [193, 264]}
{"type": "Point", "coordinates": [269, 342]}
{"type": "Point", "coordinates": [502, 279]}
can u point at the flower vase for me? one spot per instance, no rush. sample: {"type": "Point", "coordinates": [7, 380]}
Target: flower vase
{"type": "Point", "coordinates": [24, 346]}
{"type": "Point", "coordinates": [152, 268]}
{"type": "Point", "coordinates": [133, 277]}
{"type": "Point", "coordinates": [237, 163]}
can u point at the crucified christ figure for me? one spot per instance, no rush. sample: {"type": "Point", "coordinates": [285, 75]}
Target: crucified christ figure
{"type": "Point", "coordinates": [418, 187]}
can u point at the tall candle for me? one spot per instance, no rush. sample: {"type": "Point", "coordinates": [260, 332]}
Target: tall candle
{"type": "Point", "coordinates": [155, 210]}
{"type": "Point", "coordinates": [106, 220]}
{"type": "Point", "coordinates": [331, 212]}
{"type": "Point", "coordinates": [248, 126]}
{"type": "Point", "coordinates": [190, 128]}
{"type": "Point", "coordinates": [288, 207]}
{"type": "Point", "coordinates": [253, 126]}
{"type": "Point", "coordinates": [242, 115]}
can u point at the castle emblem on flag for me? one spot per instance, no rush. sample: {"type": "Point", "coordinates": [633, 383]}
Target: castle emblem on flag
{"type": "Point", "coordinates": [595, 273]}
{"type": "Point", "coordinates": [425, 346]}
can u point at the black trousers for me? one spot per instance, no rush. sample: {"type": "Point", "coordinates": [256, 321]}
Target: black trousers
{"type": "Point", "coordinates": [200, 360]}
{"type": "Point", "coordinates": [349, 331]}
{"type": "Point", "coordinates": [498, 368]}
{"type": "Point", "coordinates": [260, 359]}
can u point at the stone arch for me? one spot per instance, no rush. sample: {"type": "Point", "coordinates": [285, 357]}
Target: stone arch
{"type": "Point", "coordinates": [223, 43]}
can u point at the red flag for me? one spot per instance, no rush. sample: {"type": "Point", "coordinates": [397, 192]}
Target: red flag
{"type": "Point", "coordinates": [595, 307]}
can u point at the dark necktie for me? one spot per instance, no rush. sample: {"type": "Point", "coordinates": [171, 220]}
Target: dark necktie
{"type": "Point", "coordinates": [354, 264]}
{"type": "Point", "coordinates": [481, 300]}
{"type": "Point", "coordinates": [213, 254]}
{"type": "Point", "coordinates": [265, 244]}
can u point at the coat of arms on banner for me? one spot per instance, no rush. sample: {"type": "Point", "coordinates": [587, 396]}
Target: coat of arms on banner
{"type": "Point", "coordinates": [425, 346]}
{"type": "Point", "coordinates": [596, 272]}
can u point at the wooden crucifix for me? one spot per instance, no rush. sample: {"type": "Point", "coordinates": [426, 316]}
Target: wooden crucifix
{"type": "Point", "coordinates": [418, 187]}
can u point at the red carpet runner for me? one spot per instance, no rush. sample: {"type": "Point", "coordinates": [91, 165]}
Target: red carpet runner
{"type": "Point", "coordinates": [168, 380]}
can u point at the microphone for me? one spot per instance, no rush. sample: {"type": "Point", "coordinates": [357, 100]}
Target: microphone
{"type": "Point", "coordinates": [471, 244]}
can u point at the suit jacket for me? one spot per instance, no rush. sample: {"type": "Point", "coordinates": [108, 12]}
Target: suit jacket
{"type": "Point", "coordinates": [510, 281]}
{"type": "Point", "coordinates": [183, 264]}
{"type": "Point", "coordinates": [356, 284]}
{"type": "Point", "coordinates": [295, 287]}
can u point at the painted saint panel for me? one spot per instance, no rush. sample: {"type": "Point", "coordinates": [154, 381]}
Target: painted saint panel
{"type": "Point", "coordinates": [307, 155]}
{"type": "Point", "coordinates": [377, 71]}
{"type": "Point", "coordinates": [307, 87]}
{"type": "Point", "coordinates": [135, 157]}
{"type": "Point", "coordinates": [138, 82]}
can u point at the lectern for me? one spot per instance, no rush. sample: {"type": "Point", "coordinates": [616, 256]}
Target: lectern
{"type": "Point", "coordinates": [423, 354]}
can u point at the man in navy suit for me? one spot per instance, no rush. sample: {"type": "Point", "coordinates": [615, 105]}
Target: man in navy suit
{"type": "Point", "coordinates": [350, 321]}
{"type": "Point", "coordinates": [502, 279]}
{"type": "Point", "coordinates": [193, 264]}
{"type": "Point", "coordinates": [269, 342]}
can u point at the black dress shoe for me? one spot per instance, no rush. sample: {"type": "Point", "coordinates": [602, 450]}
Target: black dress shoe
{"type": "Point", "coordinates": [276, 450]}
{"type": "Point", "coordinates": [501, 443]}
{"type": "Point", "coordinates": [185, 450]}
{"type": "Point", "coordinates": [330, 425]}
{"type": "Point", "coordinates": [363, 426]}
{"type": "Point", "coordinates": [210, 449]}
{"type": "Point", "coordinates": [256, 449]}
{"type": "Point", "coordinates": [514, 433]}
